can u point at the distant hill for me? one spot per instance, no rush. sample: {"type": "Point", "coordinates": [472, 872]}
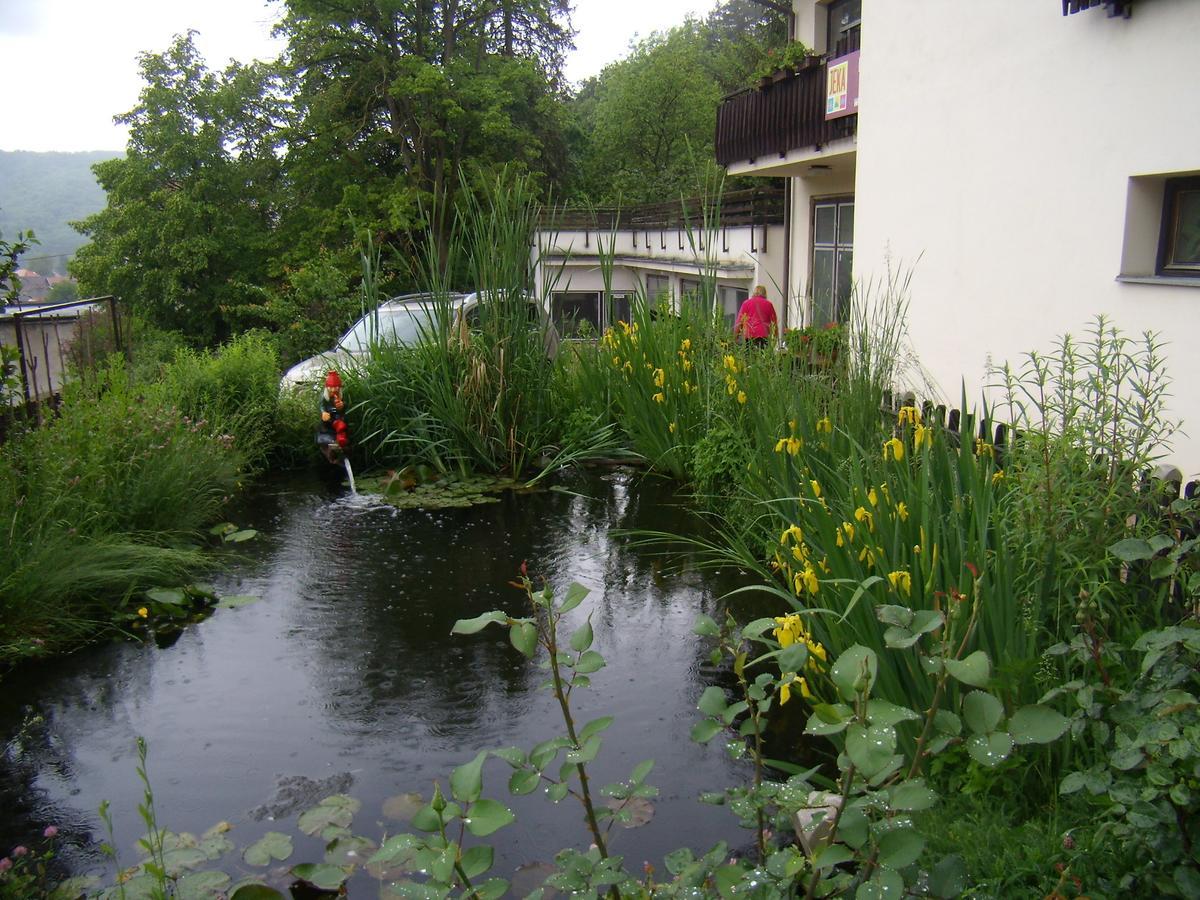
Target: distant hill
{"type": "Point", "coordinates": [43, 192]}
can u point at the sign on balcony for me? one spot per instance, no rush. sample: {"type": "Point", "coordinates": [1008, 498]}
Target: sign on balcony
{"type": "Point", "coordinates": [841, 86]}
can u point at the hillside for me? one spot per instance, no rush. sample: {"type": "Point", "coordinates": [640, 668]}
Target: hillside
{"type": "Point", "coordinates": [45, 191]}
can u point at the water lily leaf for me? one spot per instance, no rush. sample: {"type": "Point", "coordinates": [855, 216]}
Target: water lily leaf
{"type": "Point", "coordinates": [486, 816]}
{"type": "Point", "coordinates": [982, 712]}
{"type": "Point", "coordinates": [466, 782]}
{"type": "Point", "coordinates": [236, 601]}
{"type": "Point", "coordinates": [349, 851]}
{"type": "Point", "coordinates": [532, 876]}
{"type": "Point", "coordinates": [272, 845]}
{"type": "Point", "coordinates": [990, 749]}
{"type": "Point", "coordinates": [471, 626]}
{"type": "Point", "coordinates": [238, 536]}
{"type": "Point", "coordinates": [402, 807]}
{"type": "Point", "coordinates": [168, 596]}
{"type": "Point", "coordinates": [223, 528]}
{"type": "Point", "coordinates": [215, 846]}
{"type": "Point", "coordinates": [202, 886]}
{"type": "Point", "coordinates": [205, 591]}
{"type": "Point", "coordinates": [632, 813]}
{"type": "Point", "coordinates": [178, 861]}
{"type": "Point", "coordinates": [321, 875]}
{"type": "Point", "coordinates": [1037, 725]}
{"type": "Point", "coordinates": [74, 888]}
{"type": "Point", "coordinates": [255, 891]}
{"type": "Point", "coordinates": [974, 670]}
{"type": "Point", "coordinates": [337, 810]}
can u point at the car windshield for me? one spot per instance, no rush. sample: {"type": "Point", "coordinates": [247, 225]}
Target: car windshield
{"type": "Point", "coordinates": [394, 325]}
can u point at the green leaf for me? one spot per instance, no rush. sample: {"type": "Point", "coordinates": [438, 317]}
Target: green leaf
{"type": "Point", "coordinates": [982, 712]}
{"type": "Point", "coordinates": [222, 528]}
{"type": "Point", "coordinates": [272, 845]}
{"type": "Point", "coordinates": [757, 628]}
{"type": "Point", "coordinates": [427, 819]}
{"type": "Point", "coordinates": [793, 658]}
{"type": "Point", "coordinates": [586, 753]}
{"type": "Point", "coordinates": [524, 636]}
{"type": "Point", "coordinates": [1072, 783]}
{"type": "Point", "coordinates": [466, 782]}
{"type": "Point", "coordinates": [471, 626]}
{"type": "Point", "coordinates": [712, 701]}
{"type": "Point", "coordinates": [870, 749]}
{"type": "Point", "coordinates": [856, 667]}
{"type": "Point", "coordinates": [336, 810]}
{"type": "Point", "coordinates": [881, 712]}
{"type": "Point", "coordinates": [486, 816]}
{"type": "Point", "coordinates": [947, 722]}
{"type": "Point", "coordinates": [900, 616]}
{"type": "Point", "coordinates": [706, 627]}
{"type": "Point", "coordinates": [202, 886]}
{"type": "Point", "coordinates": [167, 596]}
{"type": "Point", "coordinates": [1131, 549]}
{"type": "Point", "coordinates": [238, 536]}
{"type": "Point", "coordinates": [990, 749]}
{"type": "Point", "coordinates": [705, 730]}
{"type": "Point", "coordinates": [589, 662]}
{"type": "Point", "coordinates": [1037, 725]}
{"type": "Point", "coordinates": [581, 639]}
{"type": "Point", "coordinates": [256, 892]}
{"type": "Point", "coordinates": [557, 792]}
{"type": "Point", "coordinates": [514, 756]}
{"type": "Point", "coordinates": [595, 727]}
{"type": "Point", "coordinates": [948, 878]}
{"type": "Point", "coordinates": [831, 855]}
{"type": "Point", "coordinates": [912, 796]}
{"type": "Point", "coordinates": [492, 889]}
{"type": "Point", "coordinates": [478, 860]}
{"type": "Point", "coordinates": [641, 770]}
{"type": "Point", "coordinates": [1163, 568]}
{"type": "Point", "coordinates": [545, 752]}
{"type": "Point", "coordinates": [575, 594]}
{"type": "Point", "coordinates": [900, 847]}
{"type": "Point", "coordinates": [348, 850]}
{"type": "Point", "coordinates": [524, 781]}
{"type": "Point", "coordinates": [975, 670]}
{"type": "Point", "coordinates": [321, 875]}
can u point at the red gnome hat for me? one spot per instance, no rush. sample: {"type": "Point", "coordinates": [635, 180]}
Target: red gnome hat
{"type": "Point", "coordinates": [333, 379]}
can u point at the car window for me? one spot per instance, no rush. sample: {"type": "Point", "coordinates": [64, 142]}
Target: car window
{"type": "Point", "coordinates": [401, 325]}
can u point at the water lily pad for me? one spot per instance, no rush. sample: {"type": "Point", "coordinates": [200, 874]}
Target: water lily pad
{"type": "Point", "coordinates": [236, 601]}
{"type": "Point", "coordinates": [632, 813]}
{"type": "Point", "coordinates": [531, 876]}
{"type": "Point", "coordinates": [169, 596]}
{"type": "Point", "coordinates": [202, 886]}
{"type": "Point", "coordinates": [402, 807]}
{"type": "Point", "coordinates": [238, 536]}
{"type": "Point", "coordinates": [322, 875]}
{"type": "Point", "coordinates": [349, 851]}
{"type": "Point", "coordinates": [272, 845]}
{"type": "Point", "coordinates": [254, 890]}
{"type": "Point", "coordinates": [337, 810]}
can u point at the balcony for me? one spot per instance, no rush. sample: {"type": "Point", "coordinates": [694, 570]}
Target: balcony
{"type": "Point", "coordinates": [786, 115]}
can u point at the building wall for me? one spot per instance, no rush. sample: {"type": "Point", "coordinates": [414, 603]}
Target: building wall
{"type": "Point", "coordinates": [1002, 147]}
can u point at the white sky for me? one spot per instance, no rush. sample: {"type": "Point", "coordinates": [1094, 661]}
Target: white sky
{"type": "Point", "coordinates": [69, 66]}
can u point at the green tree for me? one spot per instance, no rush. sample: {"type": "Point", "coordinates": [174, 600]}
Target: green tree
{"type": "Point", "coordinates": [191, 212]}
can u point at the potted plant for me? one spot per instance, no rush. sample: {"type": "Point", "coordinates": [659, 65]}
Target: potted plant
{"type": "Point", "coordinates": [782, 62]}
{"type": "Point", "coordinates": [816, 345]}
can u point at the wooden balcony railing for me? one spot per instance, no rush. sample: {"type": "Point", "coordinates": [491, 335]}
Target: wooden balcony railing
{"type": "Point", "coordinates": [758, 206]}
{"type": "Point", "coordinates": [788, 114]}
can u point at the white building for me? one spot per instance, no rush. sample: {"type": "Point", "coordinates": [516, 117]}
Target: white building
{"type": "Point", "coordinates": [681, 250]}
{"type": "Point", "coordinates": [1032, 163]}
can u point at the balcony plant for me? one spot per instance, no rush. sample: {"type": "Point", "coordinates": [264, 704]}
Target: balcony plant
{"type": "Point", "coordinates": [818, 345]}
{"type": "Point", "coordinates": [782, 60]}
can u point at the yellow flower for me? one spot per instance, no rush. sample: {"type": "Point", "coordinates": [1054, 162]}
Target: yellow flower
{"type": "Point", "coordinates": [617, 362]}
{"type": "Point", "coordinates": [922, 437]}
{"type": "Point", "coordinates": [731, 364]}
{"type": "Point", "coordinates": [793, 532]}
{"type": "Point", "coordinates": [902, 511]}
{"type": "Point", "coordinates": [789, 629]}
{"type": "Point", "coordinates": [873, 497]}
{"type": "Point", "coordinates": [800, 552]}
{"type": "Point", "coordinates": [659, 398]}
{"type": "Point", "coordinates": [143, 612]}
{"type": "Point", "coordinates": [671, 428]}
{"type": "Point", "coordinates": [730, 386]}
{"type": "Point", "coordinates": [785, 690]}
{"type": "Point", "coordinates": [794, 445]}
{"type": "Point", "coordinates": [997, 476]}
{"type": "Point", "coordinates": [742, 397]}
{"type": "Point", "coordinates": [825, 425]}
{"type": "Point", "coordinates": [893, 449]}
{"type": "Point", "coordinates": [781, 445]}
{"type": "Point", "coordinates": [659, 377]}
{"type": "Point", "coordinates": [811, 583]}
{"type": "Point", "coordinates": [848, 529]}
{"type": "Point", "coordinates": [982, 447]}
{"type": "Point", "coordinates": [686, 345]}
{"type": "Point", "coordinates": [867, 555]}
{"type": "Point", "coordinates": [687, 387]}
{"type": "Point", "coordinates": [687, 365]}
{"type": "Point", "coordinates": [816, 488]}
{"type": "Point", "coordinates": [908, 414]}
{"type": "Point", "coordinates": [901, 581]}
{"type": "Point", "coordinates": [628, 367]}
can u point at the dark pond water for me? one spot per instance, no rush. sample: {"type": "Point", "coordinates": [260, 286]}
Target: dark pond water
{"type": "Point", "coordinates": [346, 673]}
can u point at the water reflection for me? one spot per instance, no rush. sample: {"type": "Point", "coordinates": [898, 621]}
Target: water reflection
{"type": "Point", "coordinates": [346, 669]}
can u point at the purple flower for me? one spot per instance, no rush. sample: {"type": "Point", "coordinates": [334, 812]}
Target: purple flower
{"type": "Point", "coordinates": [5, 864]}
{"type": "Point", "coordinates": [20, 851]}
{"type": "Point", "coordinates": [50, 831]}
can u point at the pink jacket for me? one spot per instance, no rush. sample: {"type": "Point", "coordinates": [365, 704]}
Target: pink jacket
{"type": "Point", "coordinates": [756, 318]}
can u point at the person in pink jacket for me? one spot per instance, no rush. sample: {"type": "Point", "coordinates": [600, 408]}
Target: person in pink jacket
{"type": "Point", "coordinates": [756, 318]}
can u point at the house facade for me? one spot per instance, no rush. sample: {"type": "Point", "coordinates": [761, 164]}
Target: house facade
{"type": "Point", "coordinates": [1027, 165]}
{"type": "Point", "coordinates": [693, 253]}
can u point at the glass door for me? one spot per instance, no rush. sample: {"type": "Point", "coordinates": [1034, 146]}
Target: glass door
{"type": "Point", "coordinates": [832, 260]}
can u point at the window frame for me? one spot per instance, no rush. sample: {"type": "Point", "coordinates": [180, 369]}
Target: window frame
{"type": "Point", "coordinates": [1168, 230]}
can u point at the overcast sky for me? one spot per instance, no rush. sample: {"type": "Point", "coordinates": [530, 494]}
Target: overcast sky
{"type": "Point", "coordinates": [69, 66]}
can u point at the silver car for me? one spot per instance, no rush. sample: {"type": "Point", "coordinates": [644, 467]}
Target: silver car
{"type": "Point", "coordinates": [402, 321]}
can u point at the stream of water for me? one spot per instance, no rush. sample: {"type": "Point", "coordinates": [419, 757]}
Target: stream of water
{"type": "Point", "coordinates": [344, 677]}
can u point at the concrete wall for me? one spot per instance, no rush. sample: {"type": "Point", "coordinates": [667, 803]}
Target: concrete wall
{"type": "Point", "coordinates": [1013, 159]}
{"type": "Point", "coordinates": [47, 342]}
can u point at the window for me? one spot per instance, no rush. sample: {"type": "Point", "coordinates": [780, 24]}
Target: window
{"type": "Point", "coordinates": [1179, 239]}
{"type": "Point", "coordinates": [572, 309]}
{"type": "Point", "coordinates": [844, 24]}
{"type": "Point", "coordinates": [731, 301]}
{"type": "Point", "coordinates": [658, 287]}
{"type": "Point", "coordinates": [832, 259]}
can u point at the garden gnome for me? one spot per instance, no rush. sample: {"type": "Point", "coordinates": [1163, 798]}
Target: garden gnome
{"type": "Point", "coordinates": [332, 436]}
{"type": "Point", "coordinates": [756, 318]}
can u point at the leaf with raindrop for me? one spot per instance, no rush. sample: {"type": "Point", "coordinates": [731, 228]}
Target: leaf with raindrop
{"type": "Point", "coordinates": [632, 813]}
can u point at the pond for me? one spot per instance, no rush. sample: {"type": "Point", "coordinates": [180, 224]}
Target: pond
{"type": "Point", "coordinates": [344, 677]}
